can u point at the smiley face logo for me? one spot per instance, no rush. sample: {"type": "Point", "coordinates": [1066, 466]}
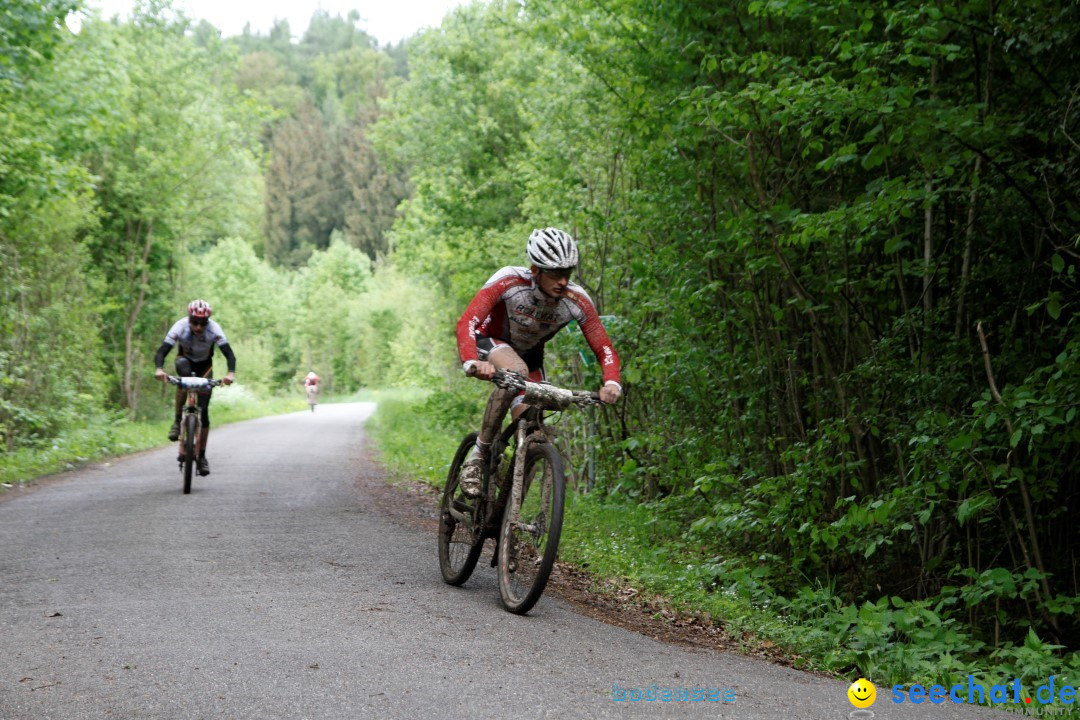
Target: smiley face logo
{"type": "Point", "coordinates": [861, 693]}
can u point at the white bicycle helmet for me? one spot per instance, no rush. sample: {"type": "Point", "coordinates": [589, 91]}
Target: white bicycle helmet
{"type": "Point", "coordinates": [552, 249]}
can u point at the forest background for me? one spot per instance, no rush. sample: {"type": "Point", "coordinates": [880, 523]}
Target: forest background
{"type": "Point", "coordinates": [835, 244]}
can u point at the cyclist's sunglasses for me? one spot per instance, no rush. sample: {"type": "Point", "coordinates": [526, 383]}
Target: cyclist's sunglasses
{"type": "Point", "coordinates": [559, 273]}
{"type": "Point", "coordinates": [201, 322]}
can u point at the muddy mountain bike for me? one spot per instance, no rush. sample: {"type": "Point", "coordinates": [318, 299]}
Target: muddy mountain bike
{"type": "Point", "coordinates": [520, 503]}
{"type": "Point", "coordinates": [191, 423]}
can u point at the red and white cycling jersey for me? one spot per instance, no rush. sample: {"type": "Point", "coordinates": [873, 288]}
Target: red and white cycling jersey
{"type": "Point", "coordinates": [511, 308]}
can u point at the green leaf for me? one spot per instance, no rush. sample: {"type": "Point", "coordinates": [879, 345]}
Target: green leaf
{"type": "Point", "coordinates": [1053, 306]}
{"type": "Point", "coordinates": [895, 244]}
{"type": "Point", "coordinates": [1057, 263]}
{"type": "Point", "coordinates": [973, 506]}
{"type": "Point", "coordinates": [1015, 439]}
{"type": "Point", "coordinates": [876, 156]}
{"type": "Point", "coordinates": [962, 442]}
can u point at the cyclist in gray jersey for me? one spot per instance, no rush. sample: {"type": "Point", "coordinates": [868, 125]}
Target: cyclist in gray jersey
{"type": "Point", "coordinates": [195, 337]}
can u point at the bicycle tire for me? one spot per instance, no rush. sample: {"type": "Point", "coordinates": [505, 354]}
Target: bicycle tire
{"type": "Point", "coordinates": [529, 544]}
{"type": "Point", "coordinates": [190, 431]}
{"type": "Point", "coordinates": [459, 545]}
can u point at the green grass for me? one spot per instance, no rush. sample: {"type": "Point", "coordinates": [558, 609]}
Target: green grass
{"type": "Point", "coordinates": [633, 545]}
{"type": "Point", "coordinates": [410, 443]}
{"type": "Point", "coordinates": [115, 435]}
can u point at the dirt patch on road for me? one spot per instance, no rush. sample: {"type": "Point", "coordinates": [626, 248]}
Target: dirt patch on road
{"type": "Point", "coordinates": [607, 600]}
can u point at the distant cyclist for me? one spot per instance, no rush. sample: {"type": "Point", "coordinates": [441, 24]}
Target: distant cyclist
{"type": "Point", "coordinates": [195, 337]}
{"type": "Point", "coordinates": [311, 385]}
{"type": "Point", "coordinates": [507, 324]}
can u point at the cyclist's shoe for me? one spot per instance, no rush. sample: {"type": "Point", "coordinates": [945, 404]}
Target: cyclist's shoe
{"type": "Point", "coordinates": [472, 472]}
{"type": "Point", "coordinates": [174, 431]}
{"type": "Point", "coordinates": [203, 465]}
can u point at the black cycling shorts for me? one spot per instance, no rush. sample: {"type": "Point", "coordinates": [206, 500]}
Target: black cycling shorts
{"type": "Point", "coordinates": [187, 368]}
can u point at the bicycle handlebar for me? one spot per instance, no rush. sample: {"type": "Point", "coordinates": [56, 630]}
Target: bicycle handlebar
{"type": "Point", "coordinates": [544, 395]}
{"type": "Point", "coordinates": [193, 383]}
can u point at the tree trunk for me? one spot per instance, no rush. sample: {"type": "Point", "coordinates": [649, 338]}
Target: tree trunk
{"type": "Point", "coordinates": [969, 230]}
{"type": "Point", "coordinates": [143, 272]}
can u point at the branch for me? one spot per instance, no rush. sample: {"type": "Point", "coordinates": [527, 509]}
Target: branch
{"type": "Point", "coordinates": [1024, 495]}
{"type": "Point", "coordinates": [1009, 178]}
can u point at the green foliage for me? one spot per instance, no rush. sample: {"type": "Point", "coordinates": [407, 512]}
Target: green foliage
{"type": "Point", "coordinates": [131, 182]}
{"type": "Point", "coordinates": [837, 241]}
{"type": "Point", "coordinates": [49, 371]}
{"type": "Point", "coordinates": [29, 31]}
{"type": "Point", "coordinates": [172, 171]}
{"type": "Point", "coordinates": [323, 178]}
{"type": "Point", "coordinates": [417, 432]}
{"type": "Point", "coordinates": [463, 164]}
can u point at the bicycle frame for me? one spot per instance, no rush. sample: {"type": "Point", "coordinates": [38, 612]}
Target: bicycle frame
{"type": "Point", "coordinates": [193, 386]}
{"type": "Point", "coordinates": [191, 422]}
{"type": "Point", "coordinates": [524, 548]}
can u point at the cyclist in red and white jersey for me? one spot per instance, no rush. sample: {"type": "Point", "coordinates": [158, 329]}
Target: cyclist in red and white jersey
{"type": "Point", "coordinates": [508, 322]}
{"type": "Point", "coordinates": [311, 386]}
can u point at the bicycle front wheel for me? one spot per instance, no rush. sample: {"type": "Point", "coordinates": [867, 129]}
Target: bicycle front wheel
{"type": "Point", "coordinates": [190, 431]}
{"type": "Point", "coordinates": [529, 538]}
{"type": "Point", "coordinates": [460, 540]}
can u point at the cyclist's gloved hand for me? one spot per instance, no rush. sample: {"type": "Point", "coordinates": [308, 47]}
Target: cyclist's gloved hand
{"type": "Point", "coordinates": [610, 393]}
{"type": "Point", "coordinates": [228, 379]}
{"type": "Point", "coordinates": [161, 375]}
{"type": "Point", "coordinates": [481, 369]}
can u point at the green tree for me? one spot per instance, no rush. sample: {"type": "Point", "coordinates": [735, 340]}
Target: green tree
{"type": "Point", "coordinates": [303, 196]}
{"type": "Point", "coordinates": [49, 372]}
{"type": "Point", "coordinates": [256, 307]}
{"type": "Point", "coordinates": [327, 289]}
{"type": "Point", "coordinates": [463, 161]}
{"type": "Point", "coordinates": [173, 171]}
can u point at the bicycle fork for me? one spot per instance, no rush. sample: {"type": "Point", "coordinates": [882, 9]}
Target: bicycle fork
{"type": "Point", "coordinates": [199, 443]}
{"type": "Point", "coordinates": [516, 487]}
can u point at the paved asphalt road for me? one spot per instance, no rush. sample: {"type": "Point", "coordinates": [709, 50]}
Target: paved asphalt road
{"type": "Point", "coordinates": [277, 590]}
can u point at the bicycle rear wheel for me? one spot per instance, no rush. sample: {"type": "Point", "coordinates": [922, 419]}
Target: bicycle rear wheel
{"type": "Point", "coordinates": [529, 542]}
{"type": "Point", "coordinates": [190, 431]}
{"type": "Point", "coordinates": [460, 541]}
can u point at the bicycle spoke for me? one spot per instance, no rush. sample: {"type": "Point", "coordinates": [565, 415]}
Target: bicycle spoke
{"type": "Point", "coordinates": [530, 541]}
{"type": "Point", "coordinates": [459, 544]}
